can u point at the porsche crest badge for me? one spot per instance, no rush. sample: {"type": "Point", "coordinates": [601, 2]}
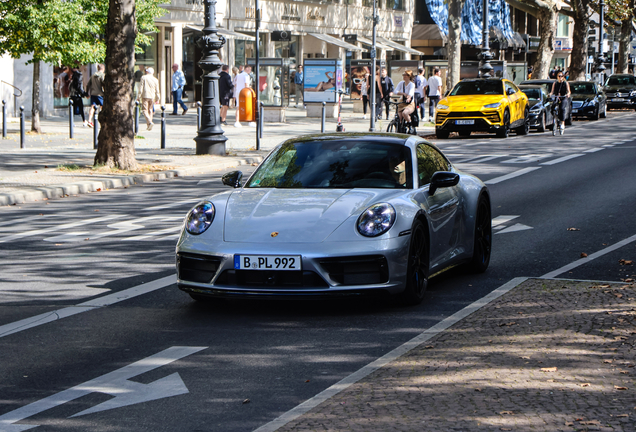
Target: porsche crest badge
{"type": "Point", "coordinates": [274, 234]}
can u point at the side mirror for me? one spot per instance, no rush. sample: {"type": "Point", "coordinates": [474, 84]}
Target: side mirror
{"type": "Point", "coordinates": [442, 179]}
{"type": "Point", "coordinates": [233, 178]}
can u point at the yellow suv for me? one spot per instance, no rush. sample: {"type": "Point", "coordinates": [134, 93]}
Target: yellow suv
{"type": "Point", "coordinates": [482, 104]}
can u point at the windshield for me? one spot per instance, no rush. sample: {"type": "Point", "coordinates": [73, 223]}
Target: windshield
{"type": "Point", "coordinates": [477, 88]}
{"type": "Point", "coordinates": [621, 80]}
{"type": "Point", "coordinates": [585, 88]}
{"type": "Point", "coordinates": [533, 94]}
{"type": "Point", "coordinates": [336, 164]}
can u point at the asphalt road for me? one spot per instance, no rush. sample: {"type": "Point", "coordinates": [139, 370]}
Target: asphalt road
{"type": "Point", "coordinates": [118, 363]}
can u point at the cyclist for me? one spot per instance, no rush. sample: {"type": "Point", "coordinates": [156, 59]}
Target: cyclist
{"type": "Point", "coordinates": [561, 94]}
{"type": "Point", "coordinates": [406, 89]}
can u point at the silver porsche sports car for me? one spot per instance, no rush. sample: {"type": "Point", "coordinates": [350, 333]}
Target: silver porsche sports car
{"type": "Point", "coordinates": [344, 214]}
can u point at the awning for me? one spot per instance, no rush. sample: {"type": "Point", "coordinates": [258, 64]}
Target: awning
{"type": "Point", "coordinates": [338, 42]}
{"type": "Point", "coordinates": [227, 33]}
{"type": "Point", "coordinates": [397, 47]}
{"type": "Point", "coordinates": [369, 42]}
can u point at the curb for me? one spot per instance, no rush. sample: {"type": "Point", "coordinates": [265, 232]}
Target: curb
{"type": "Point", "coordinates": [116, 182]}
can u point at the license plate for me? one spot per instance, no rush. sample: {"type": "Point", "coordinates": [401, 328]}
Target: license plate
{"type": "Point", "coordinates": [575, 110]}
{"type": "Point", "coordinates": [267, 262]}
{"type": "Point", "coordinates": [464, 122]}
{"type": "Point", "coordinates": [618, 100]}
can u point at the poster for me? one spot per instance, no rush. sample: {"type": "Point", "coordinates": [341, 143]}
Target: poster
{"type": "Point", "coordinates": [323, 78]}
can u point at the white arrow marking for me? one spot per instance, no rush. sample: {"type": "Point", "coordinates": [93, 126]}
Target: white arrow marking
{"type": "Point", "coordinates": [115, 383]}
{"type": "Point", "coordinates": [514, 228]}
{"type": "Point", "coordinates": [502, 220]}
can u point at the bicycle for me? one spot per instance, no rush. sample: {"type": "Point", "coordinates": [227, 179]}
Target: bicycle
{"type": "Point", "coordinates": [556, 124]}
{"type": "Point", "coordinates": [398, 125]}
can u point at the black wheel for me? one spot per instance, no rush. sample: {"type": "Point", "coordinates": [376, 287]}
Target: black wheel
{"type": "Point", "coordinates": [442, 134]}
{"type": "Point", "coordinates": [464, 133]}
{"type": "Point", "coordinates": [525, 128]}
{"type": "Point", "coordinates": [483, 238]}
{"type": "Point", "coordinates": [604, 112]}
{"type": "Point", "coordinates": [391, 127]}
{"type": "Point", "coordinates": [417, 269]}
{"type": "Point", "coordinates": [503, 132]}
{"type": "Point", "coordinates": [542, 122]}
{"type": "Point", "coordinates": [597, 114]}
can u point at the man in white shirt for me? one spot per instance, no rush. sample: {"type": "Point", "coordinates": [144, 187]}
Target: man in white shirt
{"type": "Point", "coordinates": [242, 80]}
{"type": "Point", "coordinates": [420, 85]}
{"type": "Point", "coordinates": [433, 92]}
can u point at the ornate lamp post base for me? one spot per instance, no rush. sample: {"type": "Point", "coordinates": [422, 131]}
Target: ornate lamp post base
{"type": "Point", "coordinates": [211, 145]}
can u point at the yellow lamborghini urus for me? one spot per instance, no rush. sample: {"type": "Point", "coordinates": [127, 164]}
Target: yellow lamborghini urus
{"type": "Point", "coordinates": [493, 105]}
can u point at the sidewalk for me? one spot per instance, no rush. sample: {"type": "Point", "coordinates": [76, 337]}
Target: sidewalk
{"type": "Point", "coordinates": [549, 355]}
{"type": "Point", "coordinates": [32, 174]}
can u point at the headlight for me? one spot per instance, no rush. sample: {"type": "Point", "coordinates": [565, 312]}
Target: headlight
{"type": "Point", "coordinates": [440, 106]}
{"type": "Point", "coordinates": [632, 93]}
{"type": "Point", "coordinates": [376, 220]}
{"type": "Point", "coordinates": [493, 105]}
{"type": "Point", "coordinates": [200, 218]}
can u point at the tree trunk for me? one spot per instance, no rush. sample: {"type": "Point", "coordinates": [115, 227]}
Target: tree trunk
{"type": "Point", "coordinates": [116, 136]}
{"type": "Point", "coordinates": [623, 47]}
{"type": "Point", "coordinates": [454, 43]}
{"type": "Point", "coordinates": [547, 17]}
{"type": "Point", "coordinates": [578, 61]}
{"type": "Point", "coordinates": [35, 99]}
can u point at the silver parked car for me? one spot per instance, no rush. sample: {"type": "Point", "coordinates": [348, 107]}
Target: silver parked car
{"type": "Point", "coordinates": [342, 214]}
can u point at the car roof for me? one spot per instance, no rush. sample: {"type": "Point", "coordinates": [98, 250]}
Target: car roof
{"type": "Point", "coordinates": [484, 79]}
{"type": "Point", "coordinates": [528, 86]}
{"type": "Point", "coordinates": [581, 82]}
{"type": "Point", "coordinates": [621, 75]}
{"type": "Point", "coordinates": [538, 81]}
{"type": "Point", "coordinates": [390, 138]}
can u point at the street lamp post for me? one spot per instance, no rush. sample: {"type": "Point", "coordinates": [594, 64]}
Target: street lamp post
{"type": "Point", "coordinates": [600, 67]}
{"type": "Point", "coordinates": [485, 68]}
{"type": "Point", "coordinates": [373, 71]}
{"type": "Point", "coordinates": [210, 138]}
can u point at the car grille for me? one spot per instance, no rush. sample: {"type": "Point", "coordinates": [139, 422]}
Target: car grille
{"type": "Point", "coordinates": [362, 270]}
{"type": "Point", "coordinates": [271, 279]}
{"type": "Point", "coordinates": [492, 117]}
{"type": "Point", "coordinates": [577, 104]}
{"type": "Point", "coordinates": [197, 268]}
{"type": "Point", "coordinates": [618, 95]}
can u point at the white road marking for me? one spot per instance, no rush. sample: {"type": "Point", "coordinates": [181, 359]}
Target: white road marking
{"type": "Point", "coordinates": [482, 159]}
{"type": "Point", "coordinates": [116, 383]}
{"type": "Point", "coordinates": [57, 228]}
{"type": "Point", "coordinates": [561, 159]}
{"type": "Point", "coordinates": [527, 158]}
{"type": "Point", "coordinates": [593, 150]}
{"type": "Point", "coordinates": [387, 358]}
{"type": "Point", "coordinates": [107, 300]}
{"type": "Point", "coordinates": [174, 204]}
{"type": "Point", "coordinates": [608, 145]}
{"type": "Point", "coordinates": [511, 175]}
{"type": "Point", "coordinates": [589, 258]}
{"type": "Point", "coordinates": [502, 220]}
{"type": "Point", "coordinates": [515, 228]}
{"type": "Point", "coordinates": [153, 234]}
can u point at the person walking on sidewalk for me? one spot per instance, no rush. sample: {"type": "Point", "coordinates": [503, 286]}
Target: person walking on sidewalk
{"type": "Point", "coordinates": [178, 81]}
{"type": "Point", "coordinates": [299, 80]}
{"type": "Point", "coordinates": [242, 80]}
{"type": "Point", "coordinates": [77, 94]}
{"type": "Point", "coordinates": [387, 91]}
{"type": "Point", "coordinates": [96, 92]}
{"type": "Point", "coordinates": [149, 95]}
{"type": "Point", "coordinates": [225, 92]}
{"type": "Point", "coordinates": [420, 95]}
{"type": "Point", "coordinates": [433, 92]}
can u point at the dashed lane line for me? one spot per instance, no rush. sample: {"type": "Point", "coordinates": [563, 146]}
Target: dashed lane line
{"type": "Point", "coordinates": [511, 175]}
{"type": "Point", "coordinates": [561, 159]}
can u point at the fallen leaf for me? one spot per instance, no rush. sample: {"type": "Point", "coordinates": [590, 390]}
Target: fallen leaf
{"type": "Point", "coordinates": [573, 229]}
{"type": "Point", "coordinates": [591, 422]}
{"type": "Point", "coordinates": [506, 413]}
{"type": "Point", "coordinates": [550, 380]}
{"type": "Point", "coordinates": [45, 166]}
{"type": "Point", "coordinates": [87, 238]}
{"type": "Point", "coordinates": [429, 347]}
{"type": "Point", "coordinates": [622, 415]}
{"type": "Point", "coordinates": [307, 381]}
{"type": "Point", "coordinates": [586, 385]}
{"type": "Point", "coordinates": [625, 262]}
{"type": "Point", "coordinates": [478, 389]}
{"type": "Point", "coordinates": [625, 372]}
{"type": "Point", "coordinates": [549, 369]}
{"type": "Point", "coordinates": [507, 324]}
{"type": "Point", "coordinates": [629, 280]}
{"type": "Point", "coordinates": [99, 189]}
{"type": "Point", "coordinates": [96, 210]}
{"type": "Point", "coordinates": [36, 172]}
{"type": "Point", "coordinates": [583, 255]}
{"type": "Point", "coordinates": [246, 401]}
{"type": "Point", "coordinates": [608, 361]}
{"type": "Point", "coordinates": [569, 424]}
{"type": "Point", "coordinates": [620, 388]}
{"type": "Point", "coordinates": [505, 429]}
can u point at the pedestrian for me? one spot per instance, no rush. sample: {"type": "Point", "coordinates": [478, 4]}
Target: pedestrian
{"type": "Point", "coordinates": [299, 80]}
{"type": "Point", "coordinates": [77, 94]}
{"type": "Point", "coordinates": [552, 73]}
{"type": "Point", "coordinates": [387, 90]}
{"type": "Point", "coordinates": [420, 84]}
{"type": "Point", "coordinates": [235, 72]}
{"type": "Point", "coordinates": [96, 92]}
{"type": "Point", "coordinates": [225, 92]}
{"type": "Point", "coordinates": [149, 95]}
{"type": "Point", "coordinates": [242, 80]}
{"type": "Point", "coordinates": [433, 92]}
{"type": "Point", "coordinates": [178, 82]}
{"type": "Point", "coordinates": [379, 95]}
{"type": "Point", "coordinates": [364, 92]}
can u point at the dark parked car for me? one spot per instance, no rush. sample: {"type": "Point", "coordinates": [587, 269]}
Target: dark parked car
{"type": "Point", "coordinates": [621, 91]}
{"type": "Point", "coordinates": [547, 85]}
{"type": "Point", "coordinates": [588, 100]}
{"type": "Point", "coordinates": [540, 116]}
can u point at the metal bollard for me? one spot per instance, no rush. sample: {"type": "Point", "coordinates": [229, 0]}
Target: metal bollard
{"type": "Point", "coordinates": [22, 127]}
{"type": "Point", "coordinates": [71, 118]}
{"type": "Point", "coordinates": [4, 119]}
{"type": "Point", "coordinates": [163, 126]}
{"type": "Point", "coordinates": [95, 128]}
{"type": "Point", "coordinates": [260, 120]}
{"type": "Point", "coordinates": [136, 118]}
{"type": "Point", "coordinates": [198, 116]}
{"type": "Point", "coordinates": [324, 114]}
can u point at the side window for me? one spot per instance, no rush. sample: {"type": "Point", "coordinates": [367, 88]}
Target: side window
{"type": "Point", "coordinates": [514, 87]}
{"type": "Point", "coordinates": [508, 88]}
{"type": "Point", "coordinates": [429, 161]}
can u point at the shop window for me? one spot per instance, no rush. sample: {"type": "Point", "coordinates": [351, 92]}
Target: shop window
{"type": "Point", "coordinates": [395, 4]}
{"type": "Point", "coordinates": [245, 49]}
{"type": "Point", "coordinates": [147, 58]}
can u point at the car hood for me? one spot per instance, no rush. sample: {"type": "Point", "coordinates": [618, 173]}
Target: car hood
{"type": "Point", "coordinates": [582, 97]}
{"type": "Point", "coordinates": [296, 215]}
{"type": "Point", "coordinates": [472, 102]}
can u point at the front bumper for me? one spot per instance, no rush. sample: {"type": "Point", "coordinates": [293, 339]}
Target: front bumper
{"type": "Point", "coordinates": [479, 125]}
{"type": "Point", "coordinates": [585, 111]}
{"type": "Point", "coordinates": [621, 102]}
{"type": "Point", "coordinates": [328, 269]}
{"type": "Point", "coordinates": [534, 118]}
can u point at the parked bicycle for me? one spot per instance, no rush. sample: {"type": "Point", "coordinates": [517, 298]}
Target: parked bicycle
{"type": "Point", "coordinates": [398, 125]}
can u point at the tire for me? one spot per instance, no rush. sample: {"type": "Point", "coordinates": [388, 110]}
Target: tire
{"type": "Point", "coordinates": [597, 114]}
{"type": "Point", "coordinates": [503, 132]}
{"type": "Point", "coordinates": [525, 128]}
{"type": "Point", "coordinates": [464, 134]}
{"type": "Point", "coordinates": [442, 134]}
{"type": "Point", "coordinates": [391, 127]}
{"type": "Point", "coordinates": [542, 122]}
{"type": "Point", "coordinates": [482, 242]}
{"type": "Point", "coordinates": [417, 268]}
{"type": "Point", "coordinates": [604, 113]}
